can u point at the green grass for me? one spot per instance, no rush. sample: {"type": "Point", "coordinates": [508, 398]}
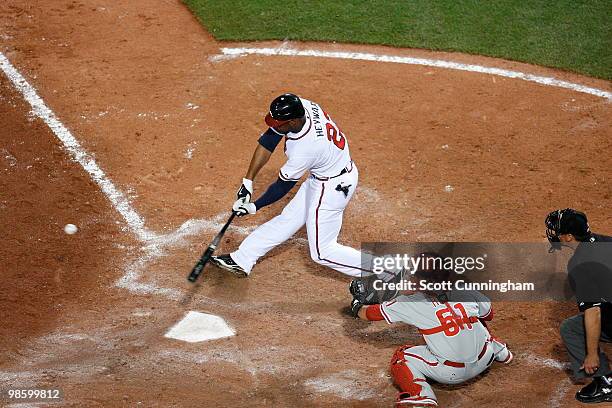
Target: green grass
{"type": "Point", "coordinates": [574, 35]}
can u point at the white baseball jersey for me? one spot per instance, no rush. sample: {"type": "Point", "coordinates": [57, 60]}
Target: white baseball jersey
{"type": "Point", "coordinates": [451, 329]}
{"type": "Point", "coordinates": [310, 149]}
{"type": "Point", "coordinates": [321, 148]}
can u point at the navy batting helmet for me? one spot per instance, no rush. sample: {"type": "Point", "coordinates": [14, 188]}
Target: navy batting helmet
{"type": "Point", "coordinates": [283, 108]}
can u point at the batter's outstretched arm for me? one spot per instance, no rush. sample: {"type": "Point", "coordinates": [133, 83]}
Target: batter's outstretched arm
{"type": "Point", "coordinates": [259, 159]}
{"type": "Point", "coordinates": [267, 143]}
{"type": "Point", "coordinates": [275, 192]}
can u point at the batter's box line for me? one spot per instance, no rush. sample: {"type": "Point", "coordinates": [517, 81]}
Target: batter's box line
{"type": "Point", "coordinates": [153, 243]}
{"type": "Point", "coordinates": [284, 50]}
{"type": "Point", "coordinates": [156, 248]}
{"type": "Point", "coordinates": [40, 110]}
{"type": "Point", "coordinates": [535, 360]}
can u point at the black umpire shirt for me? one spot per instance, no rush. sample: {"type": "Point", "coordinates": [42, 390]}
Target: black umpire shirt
{"type": "Point", "coordinates": [590, 276]}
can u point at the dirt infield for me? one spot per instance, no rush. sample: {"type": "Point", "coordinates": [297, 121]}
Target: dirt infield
{"type": "Point", "coordinates": [172, 124]}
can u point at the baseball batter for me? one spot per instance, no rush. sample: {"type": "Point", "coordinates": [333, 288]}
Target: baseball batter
{"type": "Point", "coordinates": [313, 143]}
{"type": "Point", "coordinates": [458, 344]}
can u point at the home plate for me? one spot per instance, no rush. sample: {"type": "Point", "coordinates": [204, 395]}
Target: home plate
{"type": "Point", "coordinates": [197, 326]}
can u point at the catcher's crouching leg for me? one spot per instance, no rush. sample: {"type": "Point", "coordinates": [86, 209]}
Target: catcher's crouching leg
{"type": "Point", "coordinates": [411, 391]}
{"type": "Point", "coordinates": [501, 351]}
{"type": "Point", "coordinates": [402, 376]}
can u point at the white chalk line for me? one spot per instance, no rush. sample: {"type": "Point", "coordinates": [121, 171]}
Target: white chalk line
{"type": "Point", "coordinates": [561, 390]}
{"type": "Point", "coordinates": [130, 280]}
{"type": "Point", "coordinates": [284, 51]}
{"type": "Point", "coordinates": [345, 384]}
{"type": "Point", "coordinates": [556, 401]}
{"type": "Point", "coordinates": [40, 110]}
{"type": "Point", "coordinates": [271, 360]}
{"type": "Point", "coordinates": [155, 248]}
{"type": "Point", "coordinates": [559, 393]}
{"type": "Point", "coordinates": [154, 243]}
{"type": "Point", "coordinates": [535, 360]}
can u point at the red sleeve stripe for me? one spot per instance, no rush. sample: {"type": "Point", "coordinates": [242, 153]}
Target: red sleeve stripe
{"type": "Point", "coordinates": [488, 316]}
{"type": "Point", "coordinates": [373, 312]}
{"type": "Point", "coordinates": [382, 311]}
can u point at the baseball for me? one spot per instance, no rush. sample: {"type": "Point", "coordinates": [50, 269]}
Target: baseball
{"type": "Point", "coordinates": [70, 229]}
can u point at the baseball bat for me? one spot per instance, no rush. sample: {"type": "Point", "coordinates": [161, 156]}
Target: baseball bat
{"type": "Point", "coordinates": [199, 267]}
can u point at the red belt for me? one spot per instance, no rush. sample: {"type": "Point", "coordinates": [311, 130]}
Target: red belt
{"type": "Point", "coordinates": [347, 169]}
{"type": "Point", "coordinates": [461, 365]}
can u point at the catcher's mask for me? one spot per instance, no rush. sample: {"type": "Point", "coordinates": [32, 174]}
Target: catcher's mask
{"type": "Point", "coordinates": [567, 221]}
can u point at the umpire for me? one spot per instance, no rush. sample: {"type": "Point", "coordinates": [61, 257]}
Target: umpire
{"type": "Point", "coordinates": [590, 277]}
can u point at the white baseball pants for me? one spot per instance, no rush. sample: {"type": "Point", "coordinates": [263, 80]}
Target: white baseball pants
{"type": "Point", "coordinates": [422, 364]}
{"type": "Point", "coordinates": [318, 205]}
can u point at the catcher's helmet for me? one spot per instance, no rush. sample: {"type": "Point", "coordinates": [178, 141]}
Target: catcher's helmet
{"type": "Point", "coordinates": [567, 221]}
{"type": "Point", "coordinates": [283, 108]}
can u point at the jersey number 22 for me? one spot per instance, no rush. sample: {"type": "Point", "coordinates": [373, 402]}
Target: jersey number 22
{"type": "Point", "coordinates": [334, 134]}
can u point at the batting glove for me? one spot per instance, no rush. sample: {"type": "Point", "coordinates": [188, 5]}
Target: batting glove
{"type": "Point", "coordinates": [242, 208]}
{"type": "Point", "coordinates": [245, 191]}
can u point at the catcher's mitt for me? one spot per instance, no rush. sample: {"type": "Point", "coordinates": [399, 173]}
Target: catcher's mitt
{"type": "Point", "coordinates": [360, 291]}
{"type": "Point", "coordinates": [363, 290]}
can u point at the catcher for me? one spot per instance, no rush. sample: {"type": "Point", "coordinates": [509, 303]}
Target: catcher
{"type": "Point", "coordinates": [458, 345]}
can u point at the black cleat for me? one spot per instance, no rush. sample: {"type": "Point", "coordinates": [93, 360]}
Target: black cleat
{"type": "Point", "coordinates": [226, 262]}
{"type": "Point", "coordinates": [599, 390]}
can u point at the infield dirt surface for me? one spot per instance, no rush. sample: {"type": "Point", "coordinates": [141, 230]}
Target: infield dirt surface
{"type": "Point", "coordinates": [173, 125]}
